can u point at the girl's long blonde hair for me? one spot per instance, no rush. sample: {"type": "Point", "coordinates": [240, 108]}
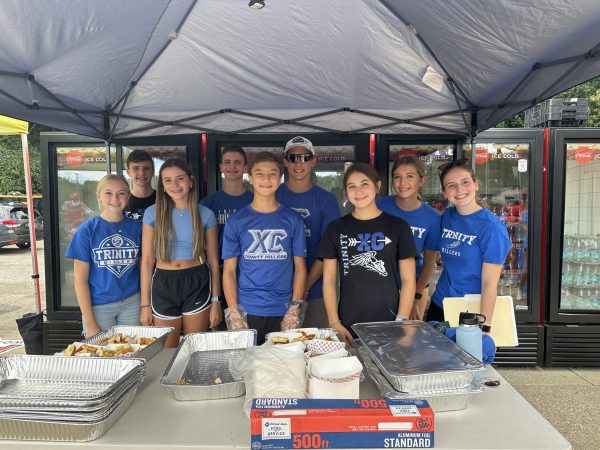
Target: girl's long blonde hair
{"type": "Point", "coordinates": [164, 233]}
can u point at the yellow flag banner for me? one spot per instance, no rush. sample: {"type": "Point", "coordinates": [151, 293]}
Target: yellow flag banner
{"type": "Point", "coordinates": [12, 126]}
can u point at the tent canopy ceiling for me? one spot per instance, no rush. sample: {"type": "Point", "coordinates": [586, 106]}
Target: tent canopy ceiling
{"type": "Point", "coordinates": [126, 68]}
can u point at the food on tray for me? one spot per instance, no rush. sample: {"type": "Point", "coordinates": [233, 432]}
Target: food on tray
{"type": "Point", "coordinates": [300, 338]}
{"type": "Point", "coordinates": [146, 340]}
{"type": "Point", "coordinates": [70, 350]}
{"type": "Point", "coordinates": [119, 338]}
{"type": "Point", "coordinates": [181, 381]}
{"type": "Point", "coordinates": [218, 380]}
{"type": "Point", "coordinates": [280, 340]}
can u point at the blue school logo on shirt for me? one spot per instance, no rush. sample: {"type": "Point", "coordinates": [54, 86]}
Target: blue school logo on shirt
{"type": "Point", "coordinates": [116, 253]}
{"type": "Point", "coordinates": [367, 241]}
{"type": "Point", "coordinates": [305, 213]}
{"type": "Point", "coordinates": [266, 244]}
{"type": "Point", "coordinates": [457, 240]}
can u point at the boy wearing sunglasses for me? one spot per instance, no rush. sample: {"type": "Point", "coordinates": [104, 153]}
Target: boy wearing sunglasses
{"type": "Point", "coordinates": [318, 208]}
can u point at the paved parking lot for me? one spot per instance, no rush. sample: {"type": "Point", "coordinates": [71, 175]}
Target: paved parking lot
{"type": "Point", "coordinates": [17, 294]}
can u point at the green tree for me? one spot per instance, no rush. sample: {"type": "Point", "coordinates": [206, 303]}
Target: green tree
{"type": "Point", "coordinates": [12, 174]}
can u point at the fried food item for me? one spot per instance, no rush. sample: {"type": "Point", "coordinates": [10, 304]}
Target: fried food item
{"type": "Point", "coordinates": [89, 348]}
{"type": "Point", "coordinates": [329, 338]}
{"type": "Point", "coordinates": [107, 353]}
{"type": "Point", "coordinates": [181, 381]}
{"type": "Point", "coordinates": [70, 350]}
{"type": "Point", "coordinates": [146, 340]}
{"type": "Point", "coordinates": [280, 340]}
{"type": "Point", "coordinates": [310, 337]}
{"type": "Point", "coordinates": [300, 338]}
{"type": "Point", "coordinates": [123, 350]}
{"type": "Point", "coordinates": [119, 338]}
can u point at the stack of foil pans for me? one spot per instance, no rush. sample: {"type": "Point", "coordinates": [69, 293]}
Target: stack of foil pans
{"type": "Point", "coordinates": [199, 370]}
{"type": "Point", "coordinates": [411, 360]}
{"type": "Point", "coordinates": [65, 399]}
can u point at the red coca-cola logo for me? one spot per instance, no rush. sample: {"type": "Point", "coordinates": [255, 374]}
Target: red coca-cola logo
{"type": "Point", "coordinates": [584, 155]}
{"type": "Point", "coordinates": [74, 158]}
{"type": "Point", "coordinates": [481, 155]}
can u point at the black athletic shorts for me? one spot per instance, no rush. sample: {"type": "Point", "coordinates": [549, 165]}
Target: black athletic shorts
{"type": "Point", "coordinates": [180, 292]}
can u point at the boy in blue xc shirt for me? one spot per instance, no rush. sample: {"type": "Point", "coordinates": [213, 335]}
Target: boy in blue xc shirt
{"type": "Point", "coordinates": [264, 256]}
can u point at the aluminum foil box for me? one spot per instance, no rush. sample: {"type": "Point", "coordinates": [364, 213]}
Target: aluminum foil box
{"type": "Point", "coordinates": [318, 423]}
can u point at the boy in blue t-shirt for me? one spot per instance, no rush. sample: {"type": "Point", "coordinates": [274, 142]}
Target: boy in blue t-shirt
{"type": "Point", "coordinates": [318, 208]}
{"type": "Point", "coordinates": [233, 195]}
{"type": "Point", "coordinates": [264, 256]}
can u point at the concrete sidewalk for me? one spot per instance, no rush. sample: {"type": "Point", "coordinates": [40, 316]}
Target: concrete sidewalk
{"type": "Point", "coordinates": [568, 398]}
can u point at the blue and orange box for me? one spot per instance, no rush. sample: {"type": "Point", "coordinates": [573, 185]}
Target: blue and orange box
{"type": "Point", "coordinates": [320, 423]}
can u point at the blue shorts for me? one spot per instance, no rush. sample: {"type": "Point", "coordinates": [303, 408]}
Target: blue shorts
{"type": "Point", "coordinates": [177, 293]}
{"type": "Point", "coordinates": [121, 312]}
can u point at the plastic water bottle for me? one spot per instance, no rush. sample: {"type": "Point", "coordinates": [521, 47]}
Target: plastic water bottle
{"type": "Point", "coordinates": [468, 336]}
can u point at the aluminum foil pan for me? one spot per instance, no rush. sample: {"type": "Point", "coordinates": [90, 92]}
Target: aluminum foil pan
{"type": "Point", "coordinates": [199, 370]}
{"type": "Point", "coordinates": [64, 430]}
{"type": "Point", "coordinates": [451, 400]}
{"type": "Point", "coordinates": [38, 380]}
{"type": "Point", "coordinates": [160, 333]}
{"type": "Point", "coordinates": [416, 358]}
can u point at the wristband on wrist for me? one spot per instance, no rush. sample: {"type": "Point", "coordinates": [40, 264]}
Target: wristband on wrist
{"type": "Point", "coordinates": [486, 328]}
{"type": "Point", "coordinates": [214, 298]}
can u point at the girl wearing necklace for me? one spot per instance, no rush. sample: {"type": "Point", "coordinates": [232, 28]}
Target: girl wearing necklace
{"type": "Point", "coordinates": [105, 252]}
{"type": "Point", "coordinates": [375, 255]}
{"type": "Point", "coordinates": [179, 254]}
{"type": "Point", "coordinates": [408, 177]}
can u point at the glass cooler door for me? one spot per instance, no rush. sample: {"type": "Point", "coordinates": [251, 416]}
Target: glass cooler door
{"type": "Point", "coordinates": [576, 293]}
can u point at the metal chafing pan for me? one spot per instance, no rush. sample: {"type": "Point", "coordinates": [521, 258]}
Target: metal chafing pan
{"type": "Point", "coordinates": [450, 400]}
{"type": "Point", "coordinates": [202, 360]}
{"type": "Point", "coordinates": [64, 430]}
{"type": "Point", "coordinates": [416, 358]}
{"type": "Point", "coordinates": [49, 381]}
{"type": "Point", "coordinates": [160, 333]}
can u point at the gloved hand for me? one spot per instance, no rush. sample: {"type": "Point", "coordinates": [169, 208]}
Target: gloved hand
{"type": "Point", "coordinates": [235, 318]}
{"type": "Point", "coordinates": [294, 316]}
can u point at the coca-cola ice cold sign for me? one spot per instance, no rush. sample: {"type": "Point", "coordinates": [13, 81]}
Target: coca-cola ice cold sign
{"type": "Point", "coordinates": [481, 155]}
{"type": "Point", "coordinates": [584, 155]}
{"type": "Point", "coordinates": [74, 158]}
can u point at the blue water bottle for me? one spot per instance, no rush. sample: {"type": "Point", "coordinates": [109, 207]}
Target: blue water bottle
{"type": "Point", "coordinates": [468, 336]}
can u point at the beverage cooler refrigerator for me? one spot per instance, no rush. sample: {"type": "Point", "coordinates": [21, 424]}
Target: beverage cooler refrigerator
{"type": "Point", "coordinates": [573, 308]}
{"type": "Point", "coordinates": [509, 165]}
{"type": "Point", "coordinates": [72, 167]}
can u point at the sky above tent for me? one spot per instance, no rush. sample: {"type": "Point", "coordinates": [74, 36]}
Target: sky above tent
{"type": "Point", "coordinates": [124, 68]}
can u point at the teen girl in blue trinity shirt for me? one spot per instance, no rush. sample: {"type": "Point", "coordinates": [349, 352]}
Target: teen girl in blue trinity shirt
{"type": "Point", "coordinates": [105, 252]}
{"type": "Point", "coordinates": [408, 176]}
{"type": "Point", "coordinates": [180, 238]}
{"type": "Point", "coordinates": [473, 245]}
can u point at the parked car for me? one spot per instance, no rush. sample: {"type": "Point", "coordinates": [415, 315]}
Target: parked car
{"type": "Point", "coordinates": [7, 236]}
{"type": "Point", "coordinates": [15, 218]}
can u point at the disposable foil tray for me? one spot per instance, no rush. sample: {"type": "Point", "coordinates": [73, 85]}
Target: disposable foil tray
{"type": "Point", "coordinates": [416, 358]}
{"type": "Point", "coordinates": [44, 381]}
{"type": "Point", "coordinates": [199, 369]}
{"type": "Point", "coordinates": [450, 400]}
{"type": "Point", "coordinates": [160, 333]}
{"type": "Point", "coordinates": [64, 430]}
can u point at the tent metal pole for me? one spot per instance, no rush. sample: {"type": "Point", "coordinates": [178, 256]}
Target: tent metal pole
{"type": "Point", "coordinates": [31, 212]}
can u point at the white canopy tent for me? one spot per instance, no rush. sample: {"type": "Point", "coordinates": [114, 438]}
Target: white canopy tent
{"type": "Point", "coordinates": [125, 68]}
